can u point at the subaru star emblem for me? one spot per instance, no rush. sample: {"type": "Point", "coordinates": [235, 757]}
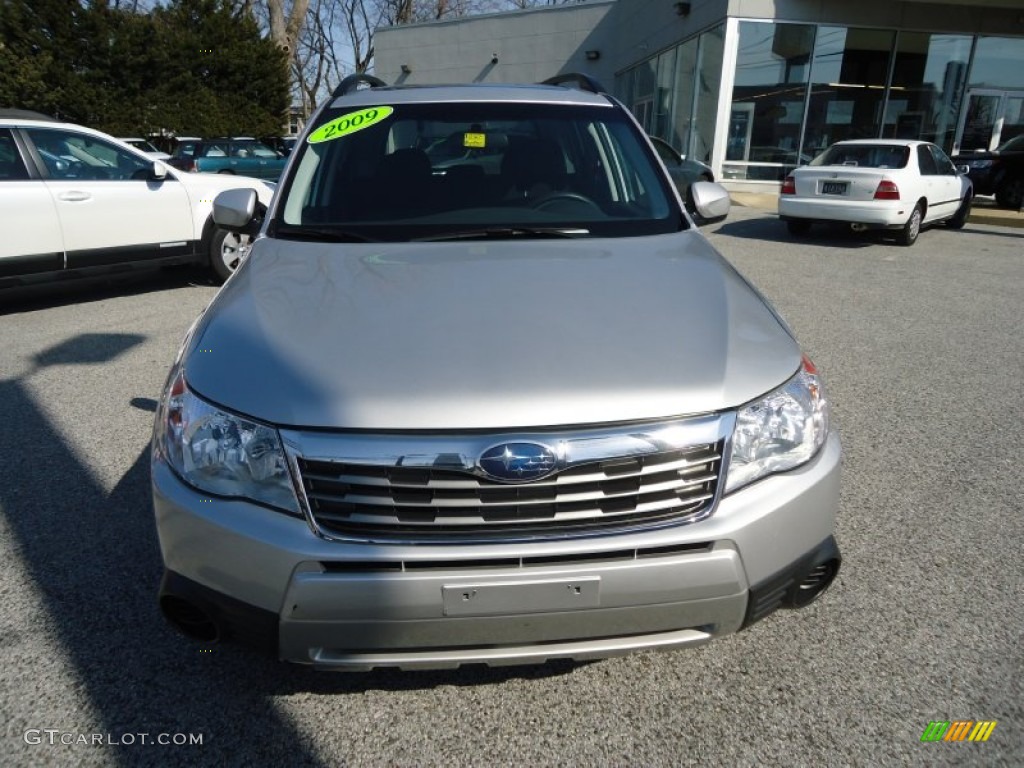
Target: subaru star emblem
{"type": "Point", "coordinates": [518, 462]}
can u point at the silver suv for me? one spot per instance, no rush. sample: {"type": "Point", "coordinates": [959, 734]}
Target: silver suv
{"type": "Point", "coordinates": [482, 393]}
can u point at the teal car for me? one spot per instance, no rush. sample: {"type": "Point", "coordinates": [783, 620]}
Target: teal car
{"type": "Point", "coordinates": [242, 156]}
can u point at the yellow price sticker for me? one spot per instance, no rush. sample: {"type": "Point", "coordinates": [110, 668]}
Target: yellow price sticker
{"type": "Point", "coordinates": [474, 140]}
{"type": "Point", "coordinates": [348, 124]}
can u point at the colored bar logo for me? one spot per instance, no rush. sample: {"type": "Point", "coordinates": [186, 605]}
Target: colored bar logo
{"type": "Point", "coordinates": [958, 730]}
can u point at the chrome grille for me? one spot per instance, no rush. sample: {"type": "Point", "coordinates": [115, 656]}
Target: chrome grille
{"type": "Point", "coordinates": [348, 498]}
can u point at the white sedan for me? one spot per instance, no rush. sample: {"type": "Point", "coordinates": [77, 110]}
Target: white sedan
{"type": "Point", "coordinates": [77, 202]}
{"type": "Point", "coordinates": [893, 184]}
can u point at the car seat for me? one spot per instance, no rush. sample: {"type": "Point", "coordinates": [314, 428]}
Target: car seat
{"type": "Point", "coordinates": [533, 169]}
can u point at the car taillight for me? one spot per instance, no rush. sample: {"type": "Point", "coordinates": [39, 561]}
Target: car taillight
{"type": "Point", "coordinates": [887, 190]}
{"type": "Point", "coordinates": [788, 186]}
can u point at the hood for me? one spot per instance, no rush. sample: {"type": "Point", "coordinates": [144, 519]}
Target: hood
{"type": "Point", "coordinates": [206, 186]}
{"type": "Point", "coordinates": [486, 335]}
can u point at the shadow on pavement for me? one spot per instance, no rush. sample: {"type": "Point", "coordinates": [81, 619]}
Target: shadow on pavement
{"type": "Point", "coordinates": [95, 559]}
{"type": "Point", "coordinates": [768, 227]}
{"type": "Point", "coordinates": [63, 292]}
{"type": "Point", "coordinates": [93, 556]}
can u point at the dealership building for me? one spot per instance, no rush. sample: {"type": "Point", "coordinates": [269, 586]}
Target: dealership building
{"type": "Point", "coordinates": [753, 87]}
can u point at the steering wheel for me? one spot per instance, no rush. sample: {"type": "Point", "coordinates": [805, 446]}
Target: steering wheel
{"type": "Point", "coordinates": [558, 197]}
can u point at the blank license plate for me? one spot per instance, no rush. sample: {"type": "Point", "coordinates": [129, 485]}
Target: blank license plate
{"type": "Point", "coordinates": [834, 187]}
{"type": "Point", "coordinates": [521, 597]}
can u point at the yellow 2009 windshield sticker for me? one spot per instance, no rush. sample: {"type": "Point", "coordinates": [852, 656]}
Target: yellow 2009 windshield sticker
{"type": "Point", "coordinates": [474, 140]}
{"type": "Point", "coordinates": [348, 124]}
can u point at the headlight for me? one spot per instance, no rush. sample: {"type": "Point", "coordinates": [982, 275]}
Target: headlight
{"type": "Point", "coordinates": [220, 453]}
{"type": "Point", "coordinates": [780, 431]}
{"type": "Point", "coordinates": [980, 163]}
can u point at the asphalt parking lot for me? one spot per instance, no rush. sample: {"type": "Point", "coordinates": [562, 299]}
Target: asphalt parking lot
{"type": "Point", "coordinates": [924, 357]}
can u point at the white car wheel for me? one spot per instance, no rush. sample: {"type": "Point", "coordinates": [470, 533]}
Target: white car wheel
{"type": "Point", "coordinates": [908, 235]}
{"type": "Point", "coordinates": [227, 249]}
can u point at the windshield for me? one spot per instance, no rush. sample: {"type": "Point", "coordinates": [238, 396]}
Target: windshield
{"type": "Point", "coordinates": [469, 169]}
{"type": "Point", "coordinates": [865, 155]}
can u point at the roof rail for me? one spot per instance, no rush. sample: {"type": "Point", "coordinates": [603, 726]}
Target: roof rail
{"type": "Point", "coordinates": [352, 82]}
{"type": "Point", "coordinates": [583, 82]}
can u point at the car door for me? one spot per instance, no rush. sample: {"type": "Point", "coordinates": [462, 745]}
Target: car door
{"type": "Point", "coordinates": [951, 184]}
{"type": "Point", "coordinates": [109, 207]}
{"type": "Point", "coordinates": [931, 185]}
{"type": "Point", "coordinates": [32, 240]}
{"type": "Point", "coordinates": [256, 159]}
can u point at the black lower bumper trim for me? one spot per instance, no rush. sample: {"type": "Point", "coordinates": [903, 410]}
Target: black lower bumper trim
{"type": "Point", "coordinates": [236, 620]}
{"type": "Point", "coordinates": [780, 590]}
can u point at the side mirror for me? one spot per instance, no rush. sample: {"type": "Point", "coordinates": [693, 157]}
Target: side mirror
{"type": "Point", "coordinates": [158, 172]}
{"type": "Point", "coordinates": [963, 170]}
{"type": "Point", "coordinates": [710, 201]}
{"type": "Point", "coordinates": [235, 209]}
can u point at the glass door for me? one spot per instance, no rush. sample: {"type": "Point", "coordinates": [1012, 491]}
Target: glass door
{"type": "Point", "coordinates": [991, 118]}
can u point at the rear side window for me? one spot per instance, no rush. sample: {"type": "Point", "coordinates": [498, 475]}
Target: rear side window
{"type": "Point", "coordinates": [865, 155]}
{"type": "Point", "coordinates": [926, 162]}
{"type": "Point", "coordinates": [12, 167]}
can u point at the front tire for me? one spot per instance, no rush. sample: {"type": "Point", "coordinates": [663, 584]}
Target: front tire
{"type": "Point", "coordinates": [908, 235]}
{"type": "Point", "coordinates": [227, 249]}
{"type": "Point", "coordinates": [798, 226]}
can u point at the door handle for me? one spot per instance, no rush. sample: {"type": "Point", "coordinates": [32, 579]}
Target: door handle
{"type": "Point", "coordinates": [74, 196]}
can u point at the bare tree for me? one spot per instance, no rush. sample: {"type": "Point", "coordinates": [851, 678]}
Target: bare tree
{"type": "Point", "coordinates": [285, 27]}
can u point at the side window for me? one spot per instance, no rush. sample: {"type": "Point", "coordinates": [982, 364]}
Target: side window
{"type": "Point", "coordinates": [70, 155]}
{"type": "Point", "coordinates": [942, 162]}
{"type": "Point", "coordinates": [12, 167]}
{"type": "Point", "coordinates": [925, 161]}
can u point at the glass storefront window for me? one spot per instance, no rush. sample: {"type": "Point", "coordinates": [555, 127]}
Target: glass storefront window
{"type": "Point", "coordinates": [849, 73]}
{"type": "Point", "coordinates": [682, 107]}
{"type": "Point", "coordinates": [997, 63]}
{"type": "Point", "coordinates": [708, 83]}
{"type": "Point", "coordinates": [927, 87]}
{"type": "Point", "coordinates": [642, 101]}
{"type": "Point", "coordinates": [768, 100]}
{"type": "Point", "coordinates": [663, 94]}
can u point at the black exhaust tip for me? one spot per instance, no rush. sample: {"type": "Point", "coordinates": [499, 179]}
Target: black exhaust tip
{"type": "Point", "coordinates": [189, 619]}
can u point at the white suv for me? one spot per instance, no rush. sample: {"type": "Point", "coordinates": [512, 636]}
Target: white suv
{"type": "Point", "coordinates": [77, 202]}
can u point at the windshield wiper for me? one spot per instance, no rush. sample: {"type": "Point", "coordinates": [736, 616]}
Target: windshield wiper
{"type": "Point", "coordinates": [321, 234]}
{"type": "Point", "coordinates": [504, 233]}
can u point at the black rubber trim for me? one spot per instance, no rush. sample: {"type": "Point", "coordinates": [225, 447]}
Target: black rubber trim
{"type": "Point", "coordinates": [12, 266]}
{"type": "Point", "coordinates": [104, 257]}
{"type": "Point", "coordinates": [237, 620]}
{"type": "Point", "coordinates": [777, 590]}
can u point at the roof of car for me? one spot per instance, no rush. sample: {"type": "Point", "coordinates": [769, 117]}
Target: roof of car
{"type": "Point", "coordinates": [411, 94]}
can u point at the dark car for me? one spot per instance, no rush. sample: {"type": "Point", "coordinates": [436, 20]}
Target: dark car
{"type": "Point", "coordinates": [999, 172]}
{"type": "Point", "coordinates": [683, 171]}
{"type": "Point", "coordinates": [282, 144]}
{"type": "Point", "coordinates": [242, 156]}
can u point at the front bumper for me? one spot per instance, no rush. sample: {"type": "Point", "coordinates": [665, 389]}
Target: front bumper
{"type": "Point", "coordinates": [264, 577]}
